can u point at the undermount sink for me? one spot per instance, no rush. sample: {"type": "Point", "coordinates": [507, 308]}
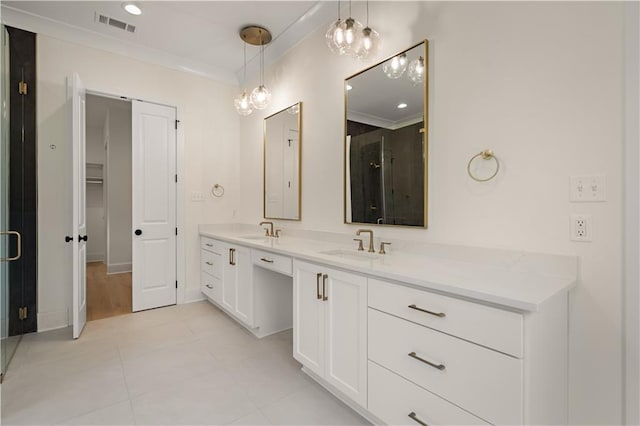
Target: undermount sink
{"type": "Point", "coordinates": [352, 254]}
{"type": "Point", "coordinates": [255, 237]}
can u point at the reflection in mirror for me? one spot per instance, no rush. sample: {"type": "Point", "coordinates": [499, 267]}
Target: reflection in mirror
{"type": "Point", "coordinates": [386, 142]}
{"type": "Point", "coordinates": [282, 139]}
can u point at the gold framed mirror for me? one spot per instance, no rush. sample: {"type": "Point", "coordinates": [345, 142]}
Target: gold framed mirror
{"type": "Point", "coordinates": [282, 153]}
{"type": "Point", "coordinates": [386, 144]}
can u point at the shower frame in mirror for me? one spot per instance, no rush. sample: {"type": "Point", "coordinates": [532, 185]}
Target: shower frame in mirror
{"type": "Point", "coordinates": [424, 132]}
{"type": "Point", "coordinates": [298, 157]}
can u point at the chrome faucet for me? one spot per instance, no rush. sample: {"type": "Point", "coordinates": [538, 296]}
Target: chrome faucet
{"type": "Point", "coordinates": [269, 230]}
{"type": "Point", "coordinates": [371, 249]}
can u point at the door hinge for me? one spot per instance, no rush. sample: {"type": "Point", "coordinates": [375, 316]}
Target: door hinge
{"type": "Point", "coordinates": [176, 231]}
{"type": "Point", "coordinates": [22, 88]}
{"type": "Point", "coordinates": [177, 121]}
{"type": "Point", "coordinates": [176, 283]}
{"type": "Point", "coordinates": [22, 313]}
{"type": "Point", "coordinates": [176, 178]}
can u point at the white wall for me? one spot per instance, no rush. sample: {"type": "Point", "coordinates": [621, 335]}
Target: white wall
{"type": "Point", "coordinates": [209, 130]}
{"type": "Point", "coordinates": [538, 82]}
{"type": "Point", "coordinates": [119, 199]}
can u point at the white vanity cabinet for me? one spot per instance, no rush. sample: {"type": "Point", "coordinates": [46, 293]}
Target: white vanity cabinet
{"type": "Point", "coordinates": [226, 277]}
{"type": "Point", "coordinates": [330, 326]}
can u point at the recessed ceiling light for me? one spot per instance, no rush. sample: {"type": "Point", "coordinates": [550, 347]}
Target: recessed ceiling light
{"type": "Point", "coordinates": [132, 8]}
{"type": "Point", "coordinates": [349, 87]}
{"type": "Point", "coordinates": [402, 105]}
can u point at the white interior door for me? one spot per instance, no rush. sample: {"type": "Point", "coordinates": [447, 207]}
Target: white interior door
{"type": "Point", "coordinates": [154, 205]}
{"type": "Point", "coordinates": [78, 131]}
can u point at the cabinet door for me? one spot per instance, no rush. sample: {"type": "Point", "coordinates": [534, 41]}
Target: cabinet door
{"type": "Point", "coordinates": [308, 316]}
{"type": "Point", "coordinates": [346, 333]}
{"type": "Point", "coordinates": [244, 285]}
{"type": "Point", "coordinates": [229, 274]}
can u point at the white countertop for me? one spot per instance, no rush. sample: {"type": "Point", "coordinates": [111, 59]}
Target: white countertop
{"type": "Point", "coordinates": [519, 280]}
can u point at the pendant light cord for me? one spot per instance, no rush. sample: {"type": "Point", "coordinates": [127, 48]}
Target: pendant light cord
{"type": "Point", "coordinates": [244, 69]}
{"type": "Point", "coordinates": [338, 10]}
{"type": "Point", "coordinates": [367, 13]}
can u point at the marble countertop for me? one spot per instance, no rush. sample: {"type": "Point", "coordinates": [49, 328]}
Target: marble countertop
{"type": "Point", "coordinates": [518, 280]}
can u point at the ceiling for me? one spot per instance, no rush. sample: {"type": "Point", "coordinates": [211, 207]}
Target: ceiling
{"type": "Point", "coordinates": [196, 36]}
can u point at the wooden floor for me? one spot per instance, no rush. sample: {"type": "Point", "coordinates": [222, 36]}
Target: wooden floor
{"type": "Point", "coordinates": [107, 295]}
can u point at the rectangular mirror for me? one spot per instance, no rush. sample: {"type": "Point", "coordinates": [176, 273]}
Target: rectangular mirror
{"type": "Point", "coordinates": [282, 141]}
{"type": "Point", "coordinates": [386, 141]}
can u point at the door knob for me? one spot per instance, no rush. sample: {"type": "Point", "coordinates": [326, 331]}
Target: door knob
{"type": "Point", "coordinates": [67, 239]}
{"type": "Point", "coordinates": [138, 232]}
{"type": "Point", "coordinates": [81, 238]}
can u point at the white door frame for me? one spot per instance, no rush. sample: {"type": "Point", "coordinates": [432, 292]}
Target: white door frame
{"type": "Point", "coordinates": [180, 210]}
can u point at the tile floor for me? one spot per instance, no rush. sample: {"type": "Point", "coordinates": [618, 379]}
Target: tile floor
{"type": "Point", "coordinates": [184, 364]}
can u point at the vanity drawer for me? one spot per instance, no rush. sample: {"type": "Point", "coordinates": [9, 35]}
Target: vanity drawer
{"type": "Point", "coordinates": [211, 287]}
{"type": "Point", "coordinates": [480, 380]}
{"type": "Point", "coordinates": [495, 328]}
{"type": "Point", "coordinates": [210, 244]}
{"type": "Point", "coordinates": [211, 263]}
{"type": "Point", "coordinates": [392, 399]}
{"type": "Point", "coordinates": [276, 262]}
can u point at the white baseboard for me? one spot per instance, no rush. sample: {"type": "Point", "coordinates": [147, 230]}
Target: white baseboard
{"type": "Point", "coordinates": [95, 257]}
{"type": "Point", "coordinates": [52, 320]}
{"type": "Point", "coordinates": [118, 268]}
{"type": "Point", "coordinates": [193, 295]}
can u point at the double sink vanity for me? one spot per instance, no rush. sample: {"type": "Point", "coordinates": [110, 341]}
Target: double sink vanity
{"type": "Point", "coordinates": [404, 333]}
{"type": "Point", "coordinates": [425, 334]}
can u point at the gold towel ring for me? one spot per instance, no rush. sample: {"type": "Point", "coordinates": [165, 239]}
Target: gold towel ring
{"type": "Point", "coordinates": [487, 154]}
{"type": "Point", "coordinates": [217, 190]}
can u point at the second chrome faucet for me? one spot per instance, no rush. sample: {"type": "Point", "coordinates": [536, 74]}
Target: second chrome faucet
{"type": "Point", "coordinates": [370, 232]}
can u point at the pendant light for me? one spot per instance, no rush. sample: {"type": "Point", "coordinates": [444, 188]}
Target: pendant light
{"type": "Point", "coordinates": [369, 42]}
{"type": "Point", "coordinates": [261, 96]}
{"type": "Point", "coordinates": [396, 66]}
{"type": "Point", "coordinates": [415, 71]}
{"type": "Point", "coordinates": [242, 103]}
{"type": "Point", "coordinates": [335, 34]}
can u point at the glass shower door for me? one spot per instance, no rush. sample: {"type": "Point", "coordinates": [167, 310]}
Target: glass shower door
{"type": "Point", "coordinates": [8, 239]}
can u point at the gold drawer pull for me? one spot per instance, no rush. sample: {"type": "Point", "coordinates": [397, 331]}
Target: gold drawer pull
{"type": "Point", "coordinates": [413, 416]}
{"type": "Point", "coordinates": [208, 245]}
{"type": "Point", "coordinates": [438, 366]}
{"type": "Point", "coordinates": [318, 278]}
{"type": "Point", "coordinates": [266, 260]}
{"type": "Point", "coordinates": [437, 314]}
{"type": "Point", "coordinates": [209, 286]}
{"type": "Point", "coordinates": [209, 263]}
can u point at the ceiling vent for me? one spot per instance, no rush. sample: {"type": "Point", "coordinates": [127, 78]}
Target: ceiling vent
{"type": "Point", "coordinates": [103, 19]}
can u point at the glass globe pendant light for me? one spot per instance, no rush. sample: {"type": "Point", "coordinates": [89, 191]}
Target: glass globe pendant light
{"type": "Point", "coordinates": [261, 96]}
{"type": "Point", "coordinates": [335, 34]}
{"type": "Point", "coordinates": [416, 71]}
{"type": "Point", "coordinates": [241, 102]}
{"type": "Point", "coordinates": [369, 42]}
{"type": "Point", "coordinates": [395, 67]}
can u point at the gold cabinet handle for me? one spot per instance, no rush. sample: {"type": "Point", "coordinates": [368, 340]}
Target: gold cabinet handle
{"type": "Point", "coordinates": [232, 257]}
{"type": "Point", "coordinates": [266, 260]}
{"type": "Point", "coordinates": [19, 254]}
{"type": "Point", "coordinates": [413, 416]}
{"type": "Point", "coordinates": [431, 364]}
{"type": "Point", "coordinates": [209, 263]}
{"type": "Point", "coordinates": [209, 286]}
{"type": "Point", "coordinates": [324, 287]}
{"type": "Point", "coordinates": [437, 314]}
{"type": "Point", "coordinates": [318, 277]}
{"type": "Point", "coordinates": [208, 245]}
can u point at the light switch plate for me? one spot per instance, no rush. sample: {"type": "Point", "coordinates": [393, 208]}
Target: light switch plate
{"type": "Point", "coordinates": [197, 196]}
{"type": "Point", "coordinates": [588, 188]}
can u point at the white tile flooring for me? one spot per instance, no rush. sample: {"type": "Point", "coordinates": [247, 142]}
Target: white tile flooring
{"type": "Point", "coordinates": [184, 364]}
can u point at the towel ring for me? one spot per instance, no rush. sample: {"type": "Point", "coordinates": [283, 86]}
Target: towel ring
{"type": "Point", "coordinates": [217, 190]}
{"type": "Point", "coordinates": [487, 154]}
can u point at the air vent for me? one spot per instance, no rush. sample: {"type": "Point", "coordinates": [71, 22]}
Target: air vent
{"type": "Point", "coordinates": [107, 20]}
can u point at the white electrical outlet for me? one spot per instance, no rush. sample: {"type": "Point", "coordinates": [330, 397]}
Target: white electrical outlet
{"type": "Point", "coordinates": [581, 227]}
{"type": "Point", "coordinates": [586, 189]}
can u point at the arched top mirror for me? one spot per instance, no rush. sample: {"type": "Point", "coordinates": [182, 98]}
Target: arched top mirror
{"type": "Point", "coordinates": [386, 141]}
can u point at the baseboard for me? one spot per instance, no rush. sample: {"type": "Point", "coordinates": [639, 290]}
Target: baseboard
{"type": "Point", "coordinates": [95, 257]}
{"type": "Point", "coordinates": [52, 320]}
{"type": "Point", "coordinates": [342, 397]}
{"type": "Point", "coordinates": [193, 295]}
{"type": "Point", "coordinates": [118, 268]}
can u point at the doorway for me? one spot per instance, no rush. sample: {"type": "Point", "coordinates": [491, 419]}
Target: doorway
{"type": "Point", "coordinates": [108, 206]}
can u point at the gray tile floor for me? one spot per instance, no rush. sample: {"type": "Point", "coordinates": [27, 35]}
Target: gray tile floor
{"type": "Point", "coordinates": [184, 364]}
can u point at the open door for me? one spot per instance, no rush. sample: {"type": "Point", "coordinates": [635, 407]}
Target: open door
{"type": "Point", "coordinates": [79, 235]}
{"type": "Point", "coordinates": [154, 205]}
